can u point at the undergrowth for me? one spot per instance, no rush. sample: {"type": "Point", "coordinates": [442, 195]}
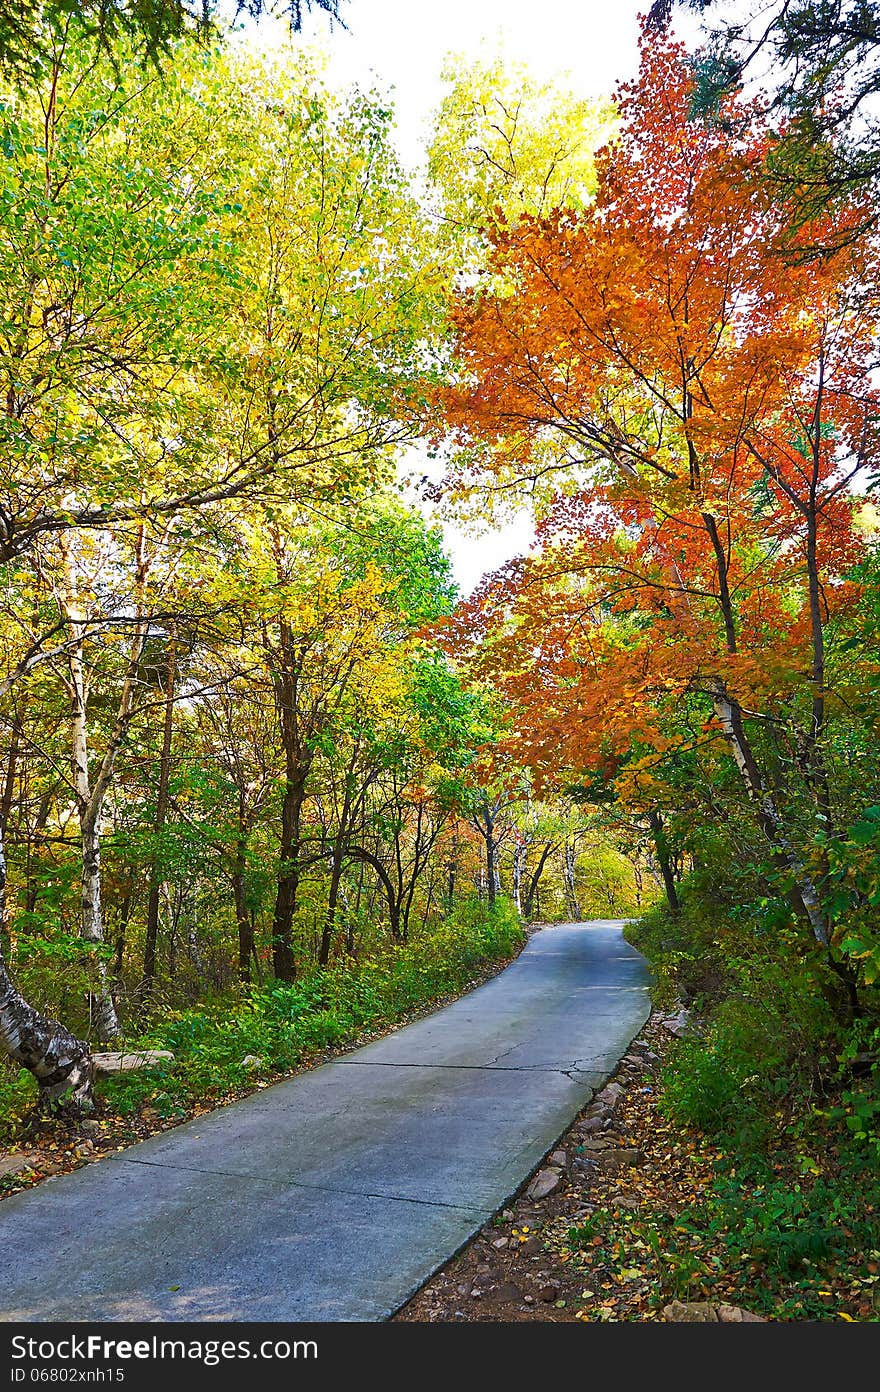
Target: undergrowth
{"type": "Point", "coordinates": [787, 1094]}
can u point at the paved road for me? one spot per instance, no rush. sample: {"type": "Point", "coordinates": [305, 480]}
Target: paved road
{"type": "Point", "coordinates": [334, 1195]}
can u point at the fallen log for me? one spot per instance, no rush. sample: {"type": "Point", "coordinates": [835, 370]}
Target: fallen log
{"type": "Point", "coordinates": [108, 1064]}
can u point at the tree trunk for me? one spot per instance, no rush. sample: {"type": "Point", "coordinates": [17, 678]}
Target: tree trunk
{"type": "Point", "coordinates": [90, 796]}
{"type": "Point", "coordinates": [357, 853]}
{"type": "Point", "coordinates": [355, 917]}
{"type": "Point", "coordinates": [519, 863]}
{"type": "Point", "coordinates": [61, 1063]}
{"type": "Point", "coordinates": [490, 867]}
{"type": "Point", "coordinates": [297, 763]}
{"type": "Point", "coordinates": [661, 848]}
{"type": "Point", "coordinates": [639, 882]}
{"type": "Point", "coordinates": [451, 869]}
{"type": "Point", "coordinates": [730, 717]}
{"type": "Point", "coordinates": [244, 921]}
{"type": "Point", "coordinates": [531, 892]}
{"type": "Point", "coordinates": [151, 932]}
{"type": "Point", "coordinates": [569, 859]}
{"type": "Point", "coordinates": [283, 958]}
{"type": "Point", "coordinates": [332, 900]}
{"type": "Point", "coordinates": [32, 889]}
{"type": "Point", "coordinates": [101, 1004]}
{"type": "Point", "coordinates": [5, 812]}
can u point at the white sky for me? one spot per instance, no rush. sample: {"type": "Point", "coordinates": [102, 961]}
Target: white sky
{"type": "Point", "coordinates": [401, 45]}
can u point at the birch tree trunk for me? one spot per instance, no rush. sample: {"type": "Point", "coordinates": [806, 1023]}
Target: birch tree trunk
{"type": "Point", "coordinates": [491, 873]}
{"type": "Point", "coordinates": [151, 932]}
{"type": "Point", "coordinates": [90, 797]}
{"type": "Point", "coordinates": [61, 1063]}
{"type": "Point", "coordinates": [519, 861]}
{"type": "Point", "coordinates": [5, 812]}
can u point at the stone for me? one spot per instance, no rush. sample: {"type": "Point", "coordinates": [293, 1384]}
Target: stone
{"type": "Point", "coordinates": [621, 1158]}
{"type": "Point", "coordinates": [689, 1312]}
{"type": "Point", "coordinates": [735, 1314]}
{"type": "Point", "coordinates": [610, 1094]}
{"type": "Point", "coordinates": [548, 1293]}
{"type": "Point", "coordinates": [16, 1165]}
{"type": "Point", "coordinates": [507, 1293]}
{"type": "Point", "coordinates": [596, 1123]}
{"type": "Point", "coordinates": [544, 1183]}
{"type": "Point", "coordinates": [500, 1243]}
{"type": "Point", "coordinates": [676, 1024]}
{"type": "Point", "coordinates": [252, 1061]}
{"type": "Point", "coordinates": [529, 1299]}
{"type": "Point", "coordinates": [707, 1312]}
{"type": "Point", "coordinates": [559, 1158]}
{"type": "Point", "coordinates": [107, 1064]}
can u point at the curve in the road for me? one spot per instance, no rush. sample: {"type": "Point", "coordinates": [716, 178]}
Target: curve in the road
{"type": "Point", "coordinates": [335, 1194]}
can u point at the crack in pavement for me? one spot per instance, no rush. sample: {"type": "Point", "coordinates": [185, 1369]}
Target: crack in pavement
{"type": "Point", "coordinates": [469, 1209]}
{"type": "Point", "coordinates": [460, 1067]}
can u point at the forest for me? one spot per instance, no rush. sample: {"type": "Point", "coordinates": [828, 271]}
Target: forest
{"type": "Point", "coordinates": [269, 782]}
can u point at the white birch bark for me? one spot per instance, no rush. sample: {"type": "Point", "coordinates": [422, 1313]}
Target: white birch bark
{"type": "Point", "coordinates": [61, 1063]}
{"type": "Point", "coordinates": [90, 795]}
{"type": "Point", "coordinates": [519, 862]}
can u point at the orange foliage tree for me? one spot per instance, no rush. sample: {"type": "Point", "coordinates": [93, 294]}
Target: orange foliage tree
{"type": "Point", "coordinates": [704, 404]}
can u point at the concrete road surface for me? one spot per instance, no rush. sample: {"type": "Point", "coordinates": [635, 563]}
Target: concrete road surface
{"type": "Point", "coordinates": [336, 1194]}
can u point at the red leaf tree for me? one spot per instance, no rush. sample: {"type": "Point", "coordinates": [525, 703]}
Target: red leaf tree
{"type": "Point", "coordinates": [703, 393]}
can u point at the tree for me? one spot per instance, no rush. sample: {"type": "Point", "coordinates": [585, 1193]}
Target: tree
{"type": "Point", "coordinates": [31, 33]}
{"type": "Point", "coordinates": [711, 408]}
{"type": "Point", "coordinates": [821, 64]}
{"type": "Point", "coordinates": [505, 145]}
{"type": "Point", "coordinates": [189, 327]}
